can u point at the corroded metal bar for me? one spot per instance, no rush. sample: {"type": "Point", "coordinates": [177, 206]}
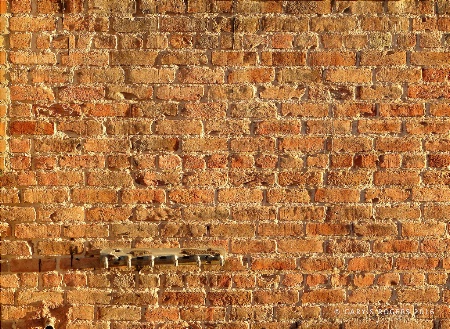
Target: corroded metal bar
{"type": "Point", "coordinates": [113, 257]}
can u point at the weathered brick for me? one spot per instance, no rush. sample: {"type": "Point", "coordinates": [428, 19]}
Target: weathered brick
{"type": "Point", "coordinates": [332, 59]}
{"type": "Point", "coordinates": [349, 76]}
{"type": "Point", "coordinates": [336, 195]}
{"type": "Point", "coordinates": [27, 24]}
{"type": "Point", "coordinates": [323, 296]}
{"type": "Point", "coordinates": [383, 58]}
{"type": "Point", "coordinates": [183, 58]}
{"type": "Point", "coordinates": [300, 246]}
{"type": "Point", "coordinates": [89, 195]}
{"type": "Point", "coordinates": [288, 196]}
{"type": "Point", "coordinates": [283, 58]}
{"type": "Point", "coordinates": [267, 264]}
{"type": "Point", "coordinates": [54, 247]}
{"type": "Point", "coordinates": [133, 57]}
{"type": "Point", "coordinates": [369, 295]}
{"type": "Point", "coordinates": [233, 58]}
{"type": "Point", "coordinates": [189, 196]}
{"type": "Point", "coordinates": [276, 297]}
{"type": "Point", "coordinates": [423, 229]}
{"type": "Point", "coordinates": [369, 264]}
{"type": "Point", "coordinates": [19, 93]}
{"type": "Point", "coordinates": [380, 92]}
{"type": "Point", "coordinates": [417, 295]}
{"type": "Point", "coordinates": [178, 127]}
{"type": "Point", "coordinates": [430, 58]}
{"type": "Point", "coordinates": [79, 58]}
{"type": "Point", "coordinates": [88, 296]}
{"type": "Point", "coordinates": [27, 58]}
{"type": "Point", "coordinates": [401, 110]}
{"type": "Point", "coordinates": [53, 298]}
{"type": "Point", "coordinates": [93, 75]}
{"type": "Point", "coordinates": [260, 75]}
{"type": "Point", "coordinates": [325, 24]}
{"type": "Point", "coordinates": [182, 298]}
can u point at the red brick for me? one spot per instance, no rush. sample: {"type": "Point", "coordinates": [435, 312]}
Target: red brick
{"type": "Point", "coordinates": [178, 127]}
{"type": "Point", "coordinates": [383, 58]}
{"type": "Point", "coordinates": [411, 264]}
{"type": "Point", "coordinates": [369, 264]}
{"type": "Point", "coordinates": [183, 58]}
{"type": "Point", "coordinates": [32, 265]}
{"type": "Point", "coordinates": [327, 229]}
{"type": "Point", "coordinates": [227, 298]}
{"type": "Point", "coordinates": [288, 196]}
{"type": "Point", "coordinates": [367, 229]}
{"type": "Point", "coordinates": [430, 58]}
{"type": "Point", "coordinates": [53, 247]}
{"type": "Point", "coordinates": [179, 93]}
{"type": "Point", "coordinates": [230, 92]}
{"type": "Point", "coordinates": [300, 246]}
{"type": "Point", "coordinates": [252, 246]}
{"type": "Point", "coordinates": [380, 92]}
{"type": "Point", "coordinates": [332, 59]}
{"type": "Point", "coordinates": [369, 295]}
{"type": "Point", "coordinates": [423, 229]}
{"type": "Point", "coordinates": [19, 93]}
{"type": "Point", "coordinates": [133, 57]}
{"type": "Point", "coordinates": [204, 110]}
{"type": "Point", "coordinates": [278, 127]}
{"type": "Point", "coordinates": [190, 196]}
{"type": "Point", "coordinates": [27, 24]}
{"type": "Point", "coordinates": [70, 94]}
{"type": "Point", "coordinates": [182, 298]}
{"type": "Point", "coordinates": [394, 144]}
{"type": "Point", "coordinates": [283, 58]}
{"type": "Point", "coordinates": [201, 75]}
{"type": "Point", "coordinates": [88, 296]}
{"type": "Point", "coordinates": [323, 296]}
{"type": "Point", "coordinates": [387, 195]}
{"type": "Point", "coordinates": [403, 178]}
{"type": "Point", "coordinates": [60, 178]}
{"type": "Point", "coordinates": [336, 195]}
{"type": "Point", "coordinates": [201, 314]}
{"type": "Point", "coordinates": [398, 246]}
{"type": "Point", "coordinates": [379, 126]}
{"type": "Point", "coordinates": [428, 92]}
{"type": "Point", "coordinates": [267, 264]}
{"type": "Point", "coordinates": [424, 295]}
{"type": "Point", "coordinates": [162, 315]}
{"type": "Point", "coordinates": [344, 178]}
{"type": "Point", "coordinates": [82, 59]}
{"type": "Point", "coordinates": [233, 58]}
{"type": "Point", "coordinates": [89, 195]}
{"type": "Point", "coordinates": [260, 75]}
{"type": "Point", "coordinates": [151, 75]}
{"type": "Point", "coordinates": [275, 297]}
{"type": "Point", "coordinates": [44, 196]}
{"type": "Point", "coordinates": [358, 76]}
{"type": "Point", "coordinates": [440, 109]}
{"type": "Point", "coordinates": [347, 246]}
{"type": "Point", "coordinates": [431, 194]}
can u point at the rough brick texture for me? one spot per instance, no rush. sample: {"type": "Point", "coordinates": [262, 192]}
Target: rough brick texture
{"type": "Point", "coordinates": [310, 139]}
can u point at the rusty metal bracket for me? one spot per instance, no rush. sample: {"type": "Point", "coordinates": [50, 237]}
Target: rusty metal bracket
{"type": "Point", "coordinates": [139, 257]}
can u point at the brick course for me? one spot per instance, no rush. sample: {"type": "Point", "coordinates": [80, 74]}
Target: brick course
{"type": "Point", "coordinates": [310, 139]}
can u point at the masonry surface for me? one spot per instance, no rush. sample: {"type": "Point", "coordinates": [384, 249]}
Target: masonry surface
{"type": "Point", "coordinates": [309, 139]}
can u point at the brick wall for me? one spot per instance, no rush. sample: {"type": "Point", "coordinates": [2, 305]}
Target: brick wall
{"type": "Point", "coordinates": [310, 139]}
